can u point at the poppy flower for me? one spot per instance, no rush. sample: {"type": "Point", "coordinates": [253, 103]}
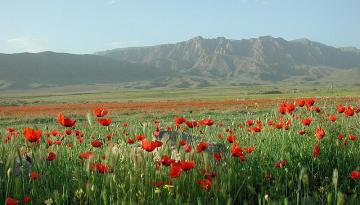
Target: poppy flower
{"type": "Point", "coordinates": [306, 121]}
{"type": "Point", "coordinates": [68, 132]}
{"type": "Point", "coordinates": [316, 150]}
{"type": "Point", "coordinates": [187, 165]}
{"type": "Point", "coordinates": [231, 138]}
{"type": "Point", "coordinates": [282, 108]}
{"type": "Point", "coordinates": [96, 143]}
{"type": "Point", "coordinates": [140, 137]}
{"type": "Point", "coordinates": [32, 135]}
{"type": "Point", "coordinates": [34, 175]}
{"type": "Point", "coordinates": [249, 149]}
{"type": "Point", "coordinates": [309, 102]}
{"type": "Point", "coordinates": [166, 160]}
{"type": "Point", "coordinates": [355, 174]}
{"type": "Point", "coordinates": [51, 156]}
{"type": "Point", "coordinates": [290, 108]}
{"type": "Point", "coordinates": [332, 118]}
{"type": "Point", "coordinates": [26, 199]}
{"type": "Point", "coordinates": [182, 142]}
{"type": "Point", "coordinates": [204, 183]}
{"type": "Point", "coordinates": [65, 121]}
{"type": "Point", "coordinates": [256, 129]}
{"type": "Point", "coordinates": [54, 133]}
{"type": "Point", "coordinates": [340, 108]}
{"type": "Point", "coordinates": [236, 151]}
{"type": "Point", "coordinates": [352, 137]}
{"type": "Point", "coordinates": [300, 102]}
{"type": "Point", "coordinates": [101, 112]}
{"type": "Point", "coordinates": [319, 133]}
{"type": "Point", "coordinates": [175, 170]}
{"type": "Point", "coordinates": [149, 146]}
{"type": "Point", "coordinates": [130, 141]}
{"type": "Point", "coordinates": [349, 111]}
{"type": "Point", "coordinates": [11, 201]}
{"type": "Point", "coordinates": [104, 122]}
{"type": "Point", "coordinates": [188, 148]}
{"type": "Point", "coordinates": [99, 167]}
{"type": "Point", "coordinates": [10, 129]}
{"type": "Point", "coordinates": [316, 109]}
{"type": "Point", "coordinates": [217, 156]}
{"type": "Point", "coordinates": [86, 155]}
{"type": "Point", "coordinates": [201, 146]}
{"type": "Point", "coordinates": [191, 124]}
{"type": "Point", "coordinates": [207, 122]}
{"type": "Point", "coordinates": [249, 122]}
{"type": "Point", "coordinates": [179, 120]}
{"type": "Point", "coordinates": [280, 164]}
{"type": "Point", "coordinates": [302, 132]}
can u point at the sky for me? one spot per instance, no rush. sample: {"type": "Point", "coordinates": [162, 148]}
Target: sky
{"type": "Point", "coordinates": [87, 26]}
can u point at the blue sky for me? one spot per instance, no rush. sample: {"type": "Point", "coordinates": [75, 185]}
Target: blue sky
{"type": "Point", "coordinates": [87, 26]}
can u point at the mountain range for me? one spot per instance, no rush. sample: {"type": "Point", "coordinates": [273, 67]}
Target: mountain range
{"type": "Point", "coordinates": [198, 62]}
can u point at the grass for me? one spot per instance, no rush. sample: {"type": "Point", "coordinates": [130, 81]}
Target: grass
{"type": "Point", "coordinates": [304, 179]}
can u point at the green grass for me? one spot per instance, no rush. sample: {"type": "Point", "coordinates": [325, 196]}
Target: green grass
{"type": "Point", "coordinates": [303, 180]}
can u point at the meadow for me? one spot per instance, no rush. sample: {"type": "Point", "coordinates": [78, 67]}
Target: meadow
{"type": "Point", "coordinates": [213, 146]}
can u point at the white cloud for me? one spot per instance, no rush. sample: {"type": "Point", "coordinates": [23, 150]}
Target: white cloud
{"type": "Point", "coordinates": [122, 44]}
{"type": "Point", "coordinates": [24, 44]}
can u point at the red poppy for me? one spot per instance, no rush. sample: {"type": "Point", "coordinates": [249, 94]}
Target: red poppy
{"type": "Point", "coordinates": [175, 170]}
{"type": "Point", "coordinates": [65, 121]}
{"type": "Point", "coordinates": [26, 199]}
{"type": "Point", "coordinates": [101, 168]}
{"type": "Point", "coordinates": [187, 165]}
{"type": "Point", "coordinates": [309, 102]}
{"type": "Point", "coordinates": [256, 129]}
{"type": "Point", "coordinates": [10, 129]}
{"type": "Point", "coordinates": [201, 146]}
{"type": "Point", "coordinates": [86, 155]}
{"type": "Point", "coordinates": [249, 122]}
{"type": "Point", "coordinates": [105, 122]}
{"type": "Point", "coordinates": [340, 108]}
{"type": "Point", "coordinates": [282, 108]}
{"type": "Point", "coordinates": [332, 118]}
{"type": "Point", "coordinates": [349, 111]}
{"type": "Point", "coordinates": [236, 151]}
{"type": "Point", "coordinates": [182, 142]}
{"type": "Point", "coordinates": [188, 148]}
{"type": "Point", "coordinates": [101, 112]}
{"type": "Point", "coordinates": [192, 124]}
{"type": "Point", "coordinates": [68, 132]}
{"type": "Point", "coordinates": [300, 102]}
{"type": "Point", "coordinates": [306, 121]}
{"type": "Point", "coordinates": [140, 137]}
{"type": "Point", "coordinates": [316, 109]}
{"type": "Point", "coordinates": [301, 132]}
{"type": "Point", "coordinates": [249, 149]}
{"type": "Point", "coordinates": [355, 174]}
{"type": "Point", "coordinates": [290, 108]}
{"type": "Point", "coordinates": [231, 138]}
{"type": "Point", "coordinates": [166, 160]}
{"type": "Point", "coordinates": [352, 137]}
{"type": "Point", "coordinates": [34, 175]}
{"type": "Point", "coordinates": [32, 135]}
{"type": "Point", "coordinates": [149, 146]}
{"type": "Point", "coordinates": [179, 120]}
{"type": "Point", "coordinates": [207, 122]}
{"type": "Point", "coordinates": [316, 150]}
{"type": "Point", "coordinates": [51, 156]}
{"type": "Point", "coordinates": [319, 133]}
{"type": "Point", "coordinates": [204, 183]}
{"type": "Point", "coordinates": [131, 141]}
{"type": "Point", "coordinates": [11, 201]}
{"type": "Point", "coordinates": [54, 132]}
{"type": "Point", "coordinates": [280, 164]}
{"type": "Point", "coordinates": [96, 143]}
{"type": "Point", "coordinates": [217, 156]}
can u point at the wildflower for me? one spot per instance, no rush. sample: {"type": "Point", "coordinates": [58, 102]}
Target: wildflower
{"type": "Point", "coordinates": [65, 121]}
{"type": "Point", "coordinates": [34, 175]}
{"type": "Point", "coordinates": [104, 122]}
{"type": "Point", "coordinates": [32, 135]}
{"type": "Point", "coordinates": [204, 183]}
{"type": "Point", "coordinates": [316, 150]}
{"type": "Point", "coordinates": [101, 112]}
{"type": "Point", "coordinates": [96, 143]}
{"type": "Point", "coordinates": [51, 156]}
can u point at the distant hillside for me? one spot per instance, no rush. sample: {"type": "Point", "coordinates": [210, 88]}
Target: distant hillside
{"type": "Point", "coordinates": [28, 70]}
{"type": "Point", "coordinates": [197, 62]}
{"type": "Point", "coordinates": [258, 59]}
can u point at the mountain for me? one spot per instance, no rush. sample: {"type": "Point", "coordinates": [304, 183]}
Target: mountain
{"type": "Point", "coordinates": [48, 69]}
{"type": "Point", "coordinates": [263, 59]}
{"type": "Point", "coordinates": [198, 62]}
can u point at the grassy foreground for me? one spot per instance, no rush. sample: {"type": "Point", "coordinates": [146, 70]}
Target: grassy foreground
{"type": "Point", "coordinates": [253, 157]}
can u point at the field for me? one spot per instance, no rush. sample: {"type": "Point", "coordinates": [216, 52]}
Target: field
{"type": "Point", "coordinates": [223, 145]}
